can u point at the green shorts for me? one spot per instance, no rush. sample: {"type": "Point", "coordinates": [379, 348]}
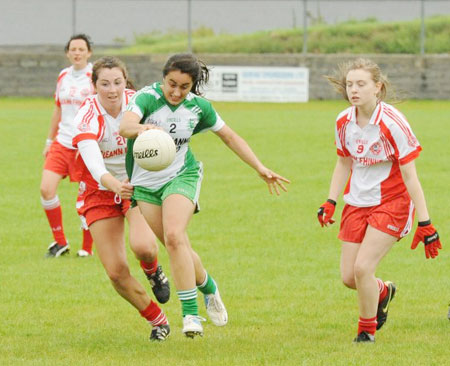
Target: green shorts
{"type": "Point", "coordinates": [187, 184]}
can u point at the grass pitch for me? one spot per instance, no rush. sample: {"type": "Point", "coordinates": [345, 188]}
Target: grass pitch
{"type": "Point", "coordinates": [278, 271]}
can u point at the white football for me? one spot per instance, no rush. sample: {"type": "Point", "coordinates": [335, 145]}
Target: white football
{"type": "Point", "coordinates": [154, 150]}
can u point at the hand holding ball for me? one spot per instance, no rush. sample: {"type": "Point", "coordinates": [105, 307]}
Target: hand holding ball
{"type": "Point", "coordinates": [154, 150]}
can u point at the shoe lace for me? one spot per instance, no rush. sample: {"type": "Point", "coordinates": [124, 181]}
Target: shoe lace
{"type": "Point", "coordinates": [56, 248]}
{"type": "Point", "coordinates": [211, 302]}
{"type": "Point", "coordinates": [196, 318]}
{"type": "Point", "coordinates": [158, 277]}
{"type": "Point", "coordinates": [160, 331]}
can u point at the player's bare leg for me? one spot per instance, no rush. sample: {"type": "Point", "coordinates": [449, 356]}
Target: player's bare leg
{"type": "Point", "coordinates": [108, 235]}
{"type": "Point", "coordinates": [374, 247]}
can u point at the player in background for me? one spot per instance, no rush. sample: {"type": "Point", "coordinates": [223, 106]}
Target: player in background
{"type": "Point", "coordinates": [376, 151]}
{"type": "Point", "coordinates": [73, 86]}
{"type": "Point", "coordinates": [169, 198]}
{"type": "Point", "coordinates": [106, 200]}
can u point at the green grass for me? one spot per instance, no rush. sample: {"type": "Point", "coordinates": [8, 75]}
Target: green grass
{"type": "Point", "coordinates": [278, 271]}
{"type": "Point", "coordinates": [366, 36]}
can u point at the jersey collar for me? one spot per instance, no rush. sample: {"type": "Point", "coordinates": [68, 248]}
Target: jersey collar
{"type": "Point", "coordinates": [374, 119]}
{"type": "Point", "coordinates": [102, 111]}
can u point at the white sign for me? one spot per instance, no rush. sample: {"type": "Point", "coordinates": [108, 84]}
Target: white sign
{"type": "Point", "coordinates": [258, 84]}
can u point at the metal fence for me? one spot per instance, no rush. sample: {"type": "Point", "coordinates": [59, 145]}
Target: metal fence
{"type": "Point", "coordinates": [112, 22]}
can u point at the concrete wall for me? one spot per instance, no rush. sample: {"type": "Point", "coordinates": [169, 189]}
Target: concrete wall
{"type": "Point", "coordinates": [426, 77]}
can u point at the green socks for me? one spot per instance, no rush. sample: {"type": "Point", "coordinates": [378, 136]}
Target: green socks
{"type": "Point", "coordinates": [188, 300]}
{"type": "Point", "coordinates": [208, 286]}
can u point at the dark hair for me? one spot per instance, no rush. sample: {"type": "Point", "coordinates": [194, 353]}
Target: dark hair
{"type": "Point", "coordinates": [82, 36]}
{"type": "Point", "coordinates": [189, 64]}
{"type": "Point", "coordinates": [110, 62]}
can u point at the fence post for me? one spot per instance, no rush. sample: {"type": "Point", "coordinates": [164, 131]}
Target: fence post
{"type": "Point", "coordinates": [305, 29]}
{"type": "Point", "coordinates": [74, 17]}
{"type": "Point", "coordinates": [422, 27]}
{"type": "Point", "coordinates": [189, 27]}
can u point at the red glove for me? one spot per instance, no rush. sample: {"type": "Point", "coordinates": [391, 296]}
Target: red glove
{"type": "Point", "coordinates": [427, 234]}
{"type": "Point", "coordinates": [325, 213]}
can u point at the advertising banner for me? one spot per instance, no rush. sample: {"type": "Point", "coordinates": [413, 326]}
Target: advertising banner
{"type": "Point", "coordinates": [258, 84]}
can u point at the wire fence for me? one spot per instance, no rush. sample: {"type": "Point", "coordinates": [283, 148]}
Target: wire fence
{"type": "Point", "coordinates": [117, 22]}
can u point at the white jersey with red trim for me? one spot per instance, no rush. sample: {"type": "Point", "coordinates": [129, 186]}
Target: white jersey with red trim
{"type": "Point", "coordinates": [94, 123]}
{"type": "Point", "coordinates": [377, 151]}
{"type": "Point", "coordinates": [72, 88]}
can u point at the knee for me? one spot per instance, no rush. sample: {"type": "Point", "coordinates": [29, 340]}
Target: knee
{"type": "Point", "coordinates": [118, 273]}
{"type": "Point", "coordinates": [47, 193]}
{"type": "Point", "coordinates": [173, 239]}
{"type": "Point", "coordinates": [362, 269]}
{"type": "Point", "coordinates": [348, 279]}
{"type": "Point", "coordinates": [145, 250]}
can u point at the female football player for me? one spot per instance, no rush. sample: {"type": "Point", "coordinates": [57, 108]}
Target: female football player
{"type": "Point", "coordinates": [73, 86]}
{"type": "Point", "coordinates": [376, 151]}
{"type": "Point", "coordinates": [106, 200]}
{"type": "Point", "coordinates": [169, 198]}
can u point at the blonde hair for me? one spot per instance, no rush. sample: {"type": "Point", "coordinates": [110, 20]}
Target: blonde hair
{"type": "Point", "coordinates": [339, 80]}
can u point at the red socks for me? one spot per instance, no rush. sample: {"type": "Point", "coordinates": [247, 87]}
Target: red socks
{"type": "Point", "coordinates": [54, 216]}
{"type": "Point", "coordinates": [87, 241]}
{"type": "Point", "coordinates": [383, 290]}
{"type": "Point", "coordinates": [154, 314]}
{"type": "Point", "coordinates": [367, 325]}
{"type": "Point", "coordinates": [149, 267]}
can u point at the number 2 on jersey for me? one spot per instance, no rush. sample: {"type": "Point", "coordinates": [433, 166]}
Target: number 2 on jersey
{"type": "Point", "coordinates": [120, 140]}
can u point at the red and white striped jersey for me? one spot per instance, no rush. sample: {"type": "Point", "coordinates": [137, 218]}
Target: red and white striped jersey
{"type": "Point", "coordinates": [94, 123]}
{"type": "Point", "coordinates": [72, 88]}
{"type": "Point", "coordinates": [377, 151]}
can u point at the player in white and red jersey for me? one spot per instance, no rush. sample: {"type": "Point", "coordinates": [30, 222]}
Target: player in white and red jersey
{"type": "Point", "coordinates": [376, 151]}
{"type": "Point", "coordinates": [73, 86]}
{"type": "Point", "coordinates": [107, 197]}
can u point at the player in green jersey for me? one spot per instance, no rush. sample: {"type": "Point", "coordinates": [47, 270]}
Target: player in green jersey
{"type": "Point", "coordinates": [168, 198]}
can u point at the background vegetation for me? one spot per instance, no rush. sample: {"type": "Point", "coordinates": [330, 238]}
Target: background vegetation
{"type": "Point", "coordinates": [278, 271]}
{"type": "Point", "coordinates": [367, 36]}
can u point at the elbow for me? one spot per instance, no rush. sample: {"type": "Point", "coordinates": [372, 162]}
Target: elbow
{"type": "Point", "coordinates": [227, 141]}
{"type": "Point", "coordinates": [125, 133]}
{"type": "Point", "coordinates": [122, 131]}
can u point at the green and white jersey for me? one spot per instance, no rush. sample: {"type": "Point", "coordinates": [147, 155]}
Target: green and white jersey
{"type": "Point", "coordinates": [195, 114]}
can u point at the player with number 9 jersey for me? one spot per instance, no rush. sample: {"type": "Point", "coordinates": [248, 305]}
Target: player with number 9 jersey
{"type": "Point", "coordinates": [376, 150]}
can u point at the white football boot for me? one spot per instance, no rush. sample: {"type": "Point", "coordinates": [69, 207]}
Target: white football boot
{"type": "Point", "coordinates": [192, 326]}
{"type": "Point", "coordinates": [216, 309]}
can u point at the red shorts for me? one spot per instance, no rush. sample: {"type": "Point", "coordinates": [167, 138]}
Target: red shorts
{"type": "Point", "coordinates": [97, 205]}
{"type": "Point", "coordinates": [394, 217]}
{"type": "Point", "coordinates": [61, 160]}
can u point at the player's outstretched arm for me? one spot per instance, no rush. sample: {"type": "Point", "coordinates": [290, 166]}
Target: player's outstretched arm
{"type": "Point", "coordinates": [123, 189]}
{"type": "Point", "coordinates": [239, 146]}
{"type": "Point", "coordinates": [130, 127]}
{"type": "Point", "coordinates": [92, 157]}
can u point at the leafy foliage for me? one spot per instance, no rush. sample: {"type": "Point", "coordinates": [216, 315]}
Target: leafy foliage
{"type": "Point", "coordinates": [367, 36]}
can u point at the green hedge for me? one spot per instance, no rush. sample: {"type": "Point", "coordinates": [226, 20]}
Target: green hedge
{"type": "Point", "coordinates": [367, 36]}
